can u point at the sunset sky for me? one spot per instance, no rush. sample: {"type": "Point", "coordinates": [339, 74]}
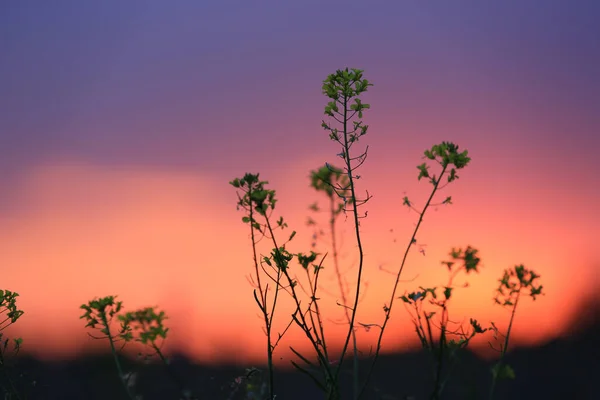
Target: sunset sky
{"type": "Point", "coordinates": [121, 124]}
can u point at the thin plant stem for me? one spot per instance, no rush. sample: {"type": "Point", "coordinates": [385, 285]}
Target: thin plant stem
{"type": "Point", "coordinates": [504, 348]}
{"type": "Point", "coordinates": [317, 311]}
{"type": "Point", "coordinates": [343, 293]}
{"type": "Point", "coordinates": [437, 390]}
{"type": "Point", "coordinates": [302, 321]}
{"type": "Point", "coordinates": [263, 306]}
{"type": "Point", "coordinates": [358, 239]}
{"type": "Point", "coordinates": [115, 356]}
{"type": "Point", "coordinates": [393, 295]}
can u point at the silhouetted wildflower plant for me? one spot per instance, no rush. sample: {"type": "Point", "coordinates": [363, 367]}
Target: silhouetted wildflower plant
{"type": "Point", "coordinates": [144, 326]}
{"type": "Point", "coordinates": [8, 305]}
{"type": "Point", "coordinates": [445, 346]}
{"type": "Point", "coordinates": [512, 284]}
{"type": "Point", "coordinates": [342, 88]}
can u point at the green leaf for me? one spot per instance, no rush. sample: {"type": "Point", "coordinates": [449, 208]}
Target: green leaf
{"type": "Point", "coordinates": [452, 175]}
{"type": "Point", "coordinates": [447, 292]}
{"type": "Point", "coordinates": [423, 171]}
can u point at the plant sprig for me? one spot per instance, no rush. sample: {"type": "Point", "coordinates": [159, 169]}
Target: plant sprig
{"type": "Point", "coordinates": [99, 313]}
{"type": "Point", "coordinates": [512, 285]}
{"type": "Point", "coordinates": [449, 341]}
{"type": "Point", "coordinates": [447, 155]}
{"type": "Point", "coordinates": [8, 304]}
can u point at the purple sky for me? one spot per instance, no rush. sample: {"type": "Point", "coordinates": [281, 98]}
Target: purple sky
{"type": "Point", "coordinates": [169, 83]}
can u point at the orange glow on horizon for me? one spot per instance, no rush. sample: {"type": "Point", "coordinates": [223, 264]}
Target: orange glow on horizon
{"type": "Point", "coordinates": [175, 240]}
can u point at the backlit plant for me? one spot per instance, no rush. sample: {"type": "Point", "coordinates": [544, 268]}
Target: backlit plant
{"type": "Point", "coordinates": [342, 88]}
{"type": "Point", "coordinates": [144, 325]}
{"type": "Point", "coordinates": [512, 285]}
{"type": "Point", "coordinates": [445, 346]}
{"type": "Point", "coordinates": [8, 305]}
{"type": "Point", "coordinates": [331, 181]}
{"type": "Point", "coordinates": [99, 313]}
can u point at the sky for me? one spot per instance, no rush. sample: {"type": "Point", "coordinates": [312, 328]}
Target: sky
{"type": "Point", "coordinates": [122, 123]}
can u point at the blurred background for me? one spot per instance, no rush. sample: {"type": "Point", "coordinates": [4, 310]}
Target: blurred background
{"type": "Point", "coordinates": [121, 124]}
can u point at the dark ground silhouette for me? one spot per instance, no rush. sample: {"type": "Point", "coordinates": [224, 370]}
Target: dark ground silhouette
{"type": "Point", "coordinates": [565, 368]}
